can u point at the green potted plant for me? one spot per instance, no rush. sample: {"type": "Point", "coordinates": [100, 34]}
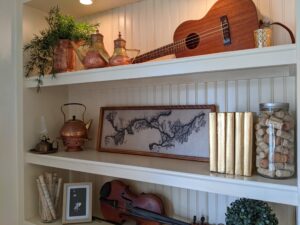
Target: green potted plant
{"type": "Point", "coordinates": [46, 50]}
{"type": "Point", "coordinates": [250, 212]}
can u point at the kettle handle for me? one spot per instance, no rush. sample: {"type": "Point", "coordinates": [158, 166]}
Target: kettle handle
{"type": "Point", "coordinates": [73, 103]}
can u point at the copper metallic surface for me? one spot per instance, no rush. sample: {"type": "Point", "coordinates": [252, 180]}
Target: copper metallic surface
{"type": "Point", "coordinates": [74, 132]}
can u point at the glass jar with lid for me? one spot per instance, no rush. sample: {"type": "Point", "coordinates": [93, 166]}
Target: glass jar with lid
{"type": "Point", "coordinates": [275, 141]}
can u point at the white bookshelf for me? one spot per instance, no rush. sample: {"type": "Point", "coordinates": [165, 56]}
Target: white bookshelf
{"type": "Point", "coordinates": [239, 69]}
{"type": "Point", "coordinates": [170, 172]}
{"type": "Point", "coordinates": [278, 56]}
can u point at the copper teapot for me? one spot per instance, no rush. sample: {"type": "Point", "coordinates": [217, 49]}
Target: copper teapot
{"type": "Point", "coordinates": [74, 132]}
{"type": "Point", "coordinates": [96, 56]}
{"type": "Point", "coordinates": [120, 56]}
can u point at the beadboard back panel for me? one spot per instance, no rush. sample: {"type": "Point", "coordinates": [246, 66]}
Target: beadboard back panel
{"type": "Point", "coordinates": [149, 24]}
{"type": "Point", "coordinates": [228, 95]}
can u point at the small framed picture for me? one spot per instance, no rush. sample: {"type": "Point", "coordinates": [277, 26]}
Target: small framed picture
{"type": "Point", "coordinates": [77, 203]}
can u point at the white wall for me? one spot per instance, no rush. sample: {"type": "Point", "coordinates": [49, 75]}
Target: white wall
{"type": "Point", "coordinates": [8, 114]}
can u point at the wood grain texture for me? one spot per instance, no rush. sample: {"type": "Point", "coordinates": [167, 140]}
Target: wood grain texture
{"type": "Point", "coordinates": [243, 20]}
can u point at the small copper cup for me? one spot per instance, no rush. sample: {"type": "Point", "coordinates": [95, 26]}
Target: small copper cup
{"type": "Point", "coordinates": [263, 37]}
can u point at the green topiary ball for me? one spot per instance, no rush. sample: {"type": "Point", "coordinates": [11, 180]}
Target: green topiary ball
{"type": "Point", "coordinates": [250, 212]}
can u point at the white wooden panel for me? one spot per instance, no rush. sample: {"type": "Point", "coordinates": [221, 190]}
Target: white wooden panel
{"type": "Point", "coordinates": [201, 93]}
{"type": "Point", "coordinates": [231, 95]}
{"type": "Point", "coordinates": [231, 98]}
{"type": "Point", "coordinates": [150, 24]}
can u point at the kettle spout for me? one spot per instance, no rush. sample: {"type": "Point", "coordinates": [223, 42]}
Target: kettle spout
{"type": "Point", "coordinates": [78, 51]}
{"type": "Point", "coordinates": [88, 124]}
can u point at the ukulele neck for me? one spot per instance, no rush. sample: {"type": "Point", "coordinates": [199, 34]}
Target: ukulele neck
{"type": "Point", "coordinates": [162, 51]}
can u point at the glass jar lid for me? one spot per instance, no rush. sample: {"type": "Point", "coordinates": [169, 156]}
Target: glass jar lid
{"type": "Point", "coordinates": [270, 106]}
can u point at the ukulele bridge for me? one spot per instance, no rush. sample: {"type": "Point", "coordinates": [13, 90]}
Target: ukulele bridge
{"type": "Point", "coordinates": [226, 30]}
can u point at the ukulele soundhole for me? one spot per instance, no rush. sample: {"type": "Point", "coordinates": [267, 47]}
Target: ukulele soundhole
{"type": "Point", "coordinates": [192, 41]}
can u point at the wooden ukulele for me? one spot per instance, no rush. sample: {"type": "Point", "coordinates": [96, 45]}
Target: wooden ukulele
{"type": "Point", "coordinates": [228, 26]}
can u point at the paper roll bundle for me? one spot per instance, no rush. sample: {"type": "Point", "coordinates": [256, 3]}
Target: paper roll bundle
{"type": "Point", "coordinates": [49, 187]}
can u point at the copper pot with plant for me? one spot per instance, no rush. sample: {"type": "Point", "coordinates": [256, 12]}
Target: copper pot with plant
{"type": "Point", "coordinates": [51, 51]}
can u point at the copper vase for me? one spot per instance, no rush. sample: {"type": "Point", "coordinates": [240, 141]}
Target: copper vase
{"type": "Point", "coordinates": [64, 57]}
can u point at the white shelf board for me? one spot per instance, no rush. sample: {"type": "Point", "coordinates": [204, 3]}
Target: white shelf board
{"type": "Point", "coordinates": [37, 221]}
{"type": "Point", "coordinates": [244, 59]}
{"type": "Point", "coordinates": [171, 172]}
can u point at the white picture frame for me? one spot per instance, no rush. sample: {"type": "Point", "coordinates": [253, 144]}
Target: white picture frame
{"type": "Point", "coordinates": [77, 203]}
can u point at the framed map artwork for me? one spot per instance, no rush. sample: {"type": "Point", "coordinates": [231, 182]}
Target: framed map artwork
{"type": "Point", "coordinates": [166, 131]}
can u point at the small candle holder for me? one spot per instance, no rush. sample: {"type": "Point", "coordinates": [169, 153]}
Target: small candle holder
{"type": "Point", "coordinates": [263, 37]}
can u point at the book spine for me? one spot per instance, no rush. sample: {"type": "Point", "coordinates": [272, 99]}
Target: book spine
{"type": "Point", "coordinates": [213, 154]}
{"type": "Point", "coordinates": [248, 143]}
{"type": "Point", "coordinates": [239, 143]}
{"type": "Point", "coordinates": [221, 142]}
{"type": "Point", "coordinates": [230, 143]}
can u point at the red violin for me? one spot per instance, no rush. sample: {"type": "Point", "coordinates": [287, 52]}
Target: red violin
{"type": "Point", "coordinates": [118, 204]}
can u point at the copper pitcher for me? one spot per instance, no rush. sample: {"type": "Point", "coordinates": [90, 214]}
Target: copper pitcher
{"type": "Point", "coordinates": [96, 56]}
{"type": "Point", "coordinates": [74, 132]}
{"type": "Point", "coordinates": [64, 57]}
{"type": "Point", "coordinates": [120, 56]}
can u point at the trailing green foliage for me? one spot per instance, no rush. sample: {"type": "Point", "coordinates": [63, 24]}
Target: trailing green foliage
{"type": "Point", "coordinates": [250, 212]}
{"type": "Point", "coordinates": [41, 47]}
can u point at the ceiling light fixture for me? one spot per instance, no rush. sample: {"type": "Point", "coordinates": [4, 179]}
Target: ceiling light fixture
{"type": "Point", "coordinates": [86, 2]}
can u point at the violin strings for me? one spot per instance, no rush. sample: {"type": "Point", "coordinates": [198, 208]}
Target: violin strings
{"type": "Point", "coordinates": [199, 38]}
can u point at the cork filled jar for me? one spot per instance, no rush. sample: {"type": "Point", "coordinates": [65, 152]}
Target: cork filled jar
{"type": "Point", "coordinates": [275, 148]}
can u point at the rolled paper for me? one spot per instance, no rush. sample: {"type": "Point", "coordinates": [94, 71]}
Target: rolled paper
{"type": "Point", "coordinates": [230, 143]}
{"type": "Point", "coordinates": [49, 183]}
{"type": "Point", "coordinates": [239, 143]}
{"type": "Point", "coordinates": [248, 143]}
{"type": "Point", "coordinates": [57, 192]}
{"type": "Point", "coordinates": [45, 209]}
{"type": "Point", "coordinates": [47, 196]}
{"type": "Point", "coordinates": [221, 142]}
{"type": "Point", "coordinates": [213, 148]}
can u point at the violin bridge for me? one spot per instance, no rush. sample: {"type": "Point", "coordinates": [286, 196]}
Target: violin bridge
{"type": "Point", "coordinates": [226, 30]}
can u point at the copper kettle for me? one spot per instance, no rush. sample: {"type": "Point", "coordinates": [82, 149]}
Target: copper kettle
{"type": "Point", "coordinates": [74, 132]}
